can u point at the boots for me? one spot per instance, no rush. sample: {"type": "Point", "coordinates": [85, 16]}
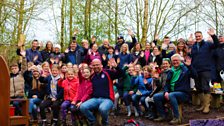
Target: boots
{"type": "Point", "coordinates": [201, 97]}
{"type": "Point", "coordinates": [129, 110]}
{"type": "Point", "coordinates": [207, 99]}
{"type": "Point", "coordinates": [136, 112]}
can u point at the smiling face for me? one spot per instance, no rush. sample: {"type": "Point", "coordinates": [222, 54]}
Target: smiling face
{"type": "Point", "coordinates": [96, 65]}
{"type": "Point", "coordinates": [147, 46]}
{"type": "Point", "coordinates": [86, 73]}
{"type": "Point", "coordinates": [198, 37]}
{"type": "Point", "coordinates": [55, 72]}
{"type": "Point", "coordinates": [176, 61]}
{"type": "Point", "coordinates": [70, 74]}
{"type": "Point", "coordinates": [165, 65]}
{"type": "Point", "coordinates": [35, 45]}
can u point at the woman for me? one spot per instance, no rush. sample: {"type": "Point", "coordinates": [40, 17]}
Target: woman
{"type": "Point", "coordinates": [124, 57]}
{"type": "Point", "coordinates": [47, 51]}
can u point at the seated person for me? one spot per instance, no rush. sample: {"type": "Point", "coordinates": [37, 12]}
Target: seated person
{"type": "Point", "coordinates": [176, 89]}
{"type": "Point", "coordinates": [54, 95]}
{"type": "Point", "coordinates": [103, 93]}
{"type": "Point", "coordinates": [36, 89]}
{"type": "Point", "coordinates": [16, 87]}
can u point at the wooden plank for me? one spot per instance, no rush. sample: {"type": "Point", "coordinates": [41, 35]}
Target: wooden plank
{"type": "Point", "coordinates": [4, 92]}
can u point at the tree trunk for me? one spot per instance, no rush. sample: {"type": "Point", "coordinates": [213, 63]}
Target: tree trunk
{"type": "Point", "coordinates": [89, 12]}
{"type": "Point", "coordinates": [20, 23]}
{"type": "Point", "coordinates": [216, 18]}
{"type": "Point", "coordinates": [116, 14]}
{"type": "Point", "coordinates": [137, 23]}
{"type": "Point", "coordinates": [87, 17]}
{"type": "Point", "coordinates": [145, 22]}
{"type": "Point", "coordinates": [109, 21]}
{"type": "Point", "coordinates": [62, 24]}
{"type": "Point", "coordinates": [70, 20]}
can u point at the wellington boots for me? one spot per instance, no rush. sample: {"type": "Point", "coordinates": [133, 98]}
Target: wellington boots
{"type": "Point", "coordinates": [129, 110]}
{"type": "Point", "coordinates": [201, 97]}
{"type": "Point", "coordinates": [207, 99]}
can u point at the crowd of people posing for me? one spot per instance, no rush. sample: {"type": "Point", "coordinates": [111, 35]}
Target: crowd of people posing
{"type": "Point", "coordinates": [88, 78]}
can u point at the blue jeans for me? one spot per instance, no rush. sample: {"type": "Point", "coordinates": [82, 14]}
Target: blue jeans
{"type": "Point", "coordinates": [33, 106]}
{"type": "Point", "coordinates": [126, 98]}
{"type": "Point", "coordinates": [174, 98]}
{"type": "Point", "coordinates": [135, 99]}
{"type": "Point", "coordinates": [103, 105]}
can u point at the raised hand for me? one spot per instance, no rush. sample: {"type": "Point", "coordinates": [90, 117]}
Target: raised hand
{"type": "Point", "coordinates": [156, 37]}
{"type": "Point", "coordinates": [130, 32]}
{"type": "Point", "coordinates": [23, 53]}
{"type": "Point", "coordinates": [211, 31]}
{"type": "Point", "coordinates": [191, 37]}
{"type": "Point", "coordinates": [104, 57]}
{"type": "Point", "coordinates": [142, 54]}
{"type": "Point", "coordinates": [164, 46]}
{"type": "Point", "coordinates": [35, 58]}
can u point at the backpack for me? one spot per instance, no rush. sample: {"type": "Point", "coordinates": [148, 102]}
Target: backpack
{"type": "Point", "coordinates": [132, 122]}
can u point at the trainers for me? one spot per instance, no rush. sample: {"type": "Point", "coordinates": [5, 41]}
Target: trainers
{"type": "Point", "coordinates": [174, 121]}
{"type": "Point", "coordinates": [44, 123]}
{"type": "Point", "coordinates": [54, 123]}
{"type": "Point", "coordinates": [159, 119]}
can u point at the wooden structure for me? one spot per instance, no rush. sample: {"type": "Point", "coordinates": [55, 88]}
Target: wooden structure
{"type": "Point", "coordinates": [5, 118]}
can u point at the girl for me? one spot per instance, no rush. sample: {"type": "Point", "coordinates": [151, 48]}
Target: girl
{"type": "Point", "coordinates": [144, 89]}
{"type": "Point", "coordinates": [84, 92]}
{"type": "Point", "coordinates": [70, 85]}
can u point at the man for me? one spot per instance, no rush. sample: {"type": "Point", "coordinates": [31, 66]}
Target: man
{"type": "Point", "coordinates": [103, 49]}
{"type": "Point", "coordinates": [75, 54]}
{"type": "Point", "coordinates": [176, 89]}
{"type": "Point", "coordinates": [120, 41]}
{"type": "Point", "coordinates": [103, 93]}
{"type": "Point", "coordinates": [32, 54]}
{"type": "Point", "coordinates": [219, 58]}
{"type": "Point", "coordinates": [201, 54]}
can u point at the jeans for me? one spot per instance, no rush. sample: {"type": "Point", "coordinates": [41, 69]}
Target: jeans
{"type": "Point", "coordinates": [33, 102]}
{"type": "Point", "coordinates": [136, 98]}
{"type": "Point", "coordinates": [55, 106]}
{"type": "Point", "coordinates": [103, 105]}
{"type": "Point", "coordinates": [127, 98]}
{"type": "Point", "coordinates": [64, 107]}
{"type": "Point", "coordinates": [174, 98]}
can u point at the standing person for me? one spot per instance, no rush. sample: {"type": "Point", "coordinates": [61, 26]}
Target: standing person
{"type": "Point", "coordinates": [124, 57]}
{"type": "Point", "coordinates": [93, 54]}
{"type": "Point", "coordinates": [120, 41]}
{"type": "Point", "coordinates": [75, 54]}
{"type": "Point", "coordinates": [144, 58]}
{"type": "Point", "coordinates": [219, 58]}
{"type": "Point", "coordinates": [54, 96]}
{"type": "Point", "coordinates": [32, 54]}
{"type": "Point", "coordinates": [56, 57]}
{"type": "Point", "coordinates": [201, 54]}
{"type": "Point", "coordinates": [103, 93]}
{"type": "Point", "coordinates": [70, 86]}
{"type": "Point", "coordinates": [104, 48]}
{"type": "Point", "coordinates": [45, 53]}
{"type": "Point", "coordinates": [16, 87]}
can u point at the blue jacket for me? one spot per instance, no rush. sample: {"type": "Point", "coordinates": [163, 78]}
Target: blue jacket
{"type": "Point", "coordinates": [124, 59]}
{"type": "Point", "coordinates": [145, 89]}
{"type": "Point", "coordinates": [183, 82]}
{"type": "Point", "coordinates": [60, 90]}
{"type": "Point", "coordinates": [202, 57]}
{"type": "Point", "coordinates": [75, 57]}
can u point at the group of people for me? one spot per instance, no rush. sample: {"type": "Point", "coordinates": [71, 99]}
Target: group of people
{"type": "Point", "coordinates": [87, 78]}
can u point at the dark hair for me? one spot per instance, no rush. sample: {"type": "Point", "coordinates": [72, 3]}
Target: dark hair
{"type": "Point", "coordinates": [166, 37]}
{"type": "Point", "coordinates": [198, 32]}
{"type": "Point", "coordinates": [35, 40]}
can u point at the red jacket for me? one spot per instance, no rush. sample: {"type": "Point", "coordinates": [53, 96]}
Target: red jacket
{"type": "Point", "coordinates": [85, 90]}
{"type": "Point", "coordinates": [70, 88]}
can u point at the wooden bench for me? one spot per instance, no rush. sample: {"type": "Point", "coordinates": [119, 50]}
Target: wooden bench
{"type": "Point", "coordinates": [5, 118]}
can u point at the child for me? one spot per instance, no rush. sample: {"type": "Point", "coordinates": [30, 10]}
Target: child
{"type": "Point", "coordinates": [16, 87]}
{"type": "Point", "coordinates": [70, 85]}
{"type": "Point", "coordinates": [144, 89]}
{"type": "Point", "coordinates": [54, 96]}
{"type": "Point", "coordinates": [84, 92]}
